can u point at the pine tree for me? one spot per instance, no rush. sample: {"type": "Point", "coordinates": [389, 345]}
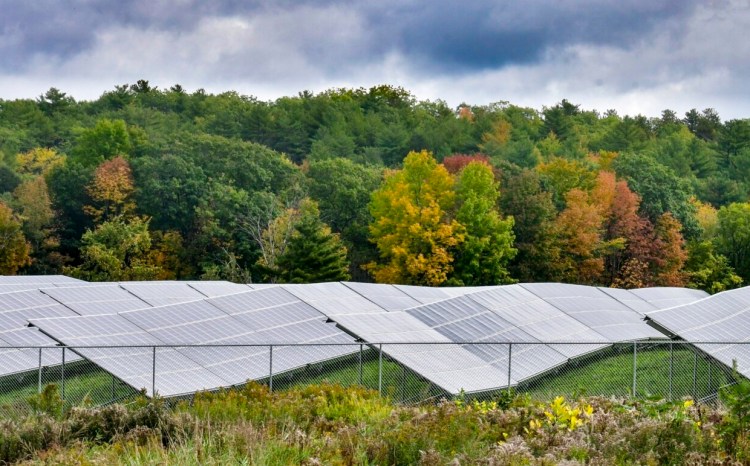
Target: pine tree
{"type": "Point", "coordinates": [313, 254]}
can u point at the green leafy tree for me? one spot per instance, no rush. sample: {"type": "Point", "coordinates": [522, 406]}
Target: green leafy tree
{"type": "Point", "coordinates": [312, 254]}
{"type": "Point", "coordinates": [533, 213]}
{"type": "Point", "coordinates": [107, 139]}
{"type": "Point", "coordinates": [14, 249]}
{"type": "Point", "coordinates": [412, 228]}
{"type": "Point", "coordinates": [66, 186]}
{"type": "Point", "coordinates": [117, 250]}
{"type": "Point", "coordinates": [342, 189]}
{"type": "Point", "coordinates": [660, 190]}
{"type": "Point", "coordinates": [708, 270]}
{"type": "Point", "coordinates": [733, 237]}
{"type": "Point", "coordinates": [483, 257]}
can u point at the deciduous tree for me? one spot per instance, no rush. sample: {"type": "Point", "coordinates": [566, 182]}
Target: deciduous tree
{"type": "Point", "coordinates": [412, 228]}
{"type": "Point", "coordinates": [111, 190]}
{"type": "Point", "coordinates": [483, 257]}
{"type": "Point", "coordinates": [14, 249]}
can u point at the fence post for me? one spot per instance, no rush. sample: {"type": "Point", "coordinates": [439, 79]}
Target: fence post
{"type": "Point", "coordinates": [40, 371]}
{"type": "Point", "coordinates": [695, 368]}
{"type": "Point", "coordinates": [360, 364]}
{"type": "Point", "coordinates": [62, 375]}
{"type": "Point", "coordinates": [270, 368]}
{"type": "Point", "coordinates": [510, 359]}
{"type": "Point", "coordinates": [380, 370]}
{"type": "Point", "coordinates": [153, 374]}
{"type": "Point", "coordinates": [671, 369]}
{"type": "Point", "coordinates": [710, 382]}
{"type": "Point", "coordinates": [635, 366]}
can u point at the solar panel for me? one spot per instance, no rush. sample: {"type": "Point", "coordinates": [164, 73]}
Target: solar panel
{"type": "Point", "coordinates": [333, 299]}
{"type": "Point", "coordinates": [595, 309]}
{"type": "Point", "coordinates": [176, 374]}
{"type": "Point", "coordinates": [37, 279]}
{"type": "Point", "coordinates": [31, 337]}
{"type": "Point", "coordinates": [94, 300]}
{"type": "Point", "coordinates": [629, 299]}
{"type": "Point", "coordinates": [387, 297]}
{"type": "Point", "coordinates": [424, 294]}
{"type": "Point", "coordinates": [16, 308]}
{"type": "Point", "coordinates": [277, 316]}
{"type": "Point", "coordinates": [665, 297]}
{"type": "Point", "coordinates": [451, 367]}
{"type": "Point", "coordinates": [213, 289]}
{"type": "Point", "coordinates": [723, 317]}
{"type": "Point", "coordinates": [162, 293]}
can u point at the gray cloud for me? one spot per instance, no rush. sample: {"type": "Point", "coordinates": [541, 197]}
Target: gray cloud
{"type": "Point", "coordinates": [632, 53]}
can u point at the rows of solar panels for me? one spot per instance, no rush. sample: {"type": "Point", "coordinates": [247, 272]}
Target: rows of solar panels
{"type": "Point", "coordinates": [719, 323]}
{"type": "Point", "coordinates": [424, 329]}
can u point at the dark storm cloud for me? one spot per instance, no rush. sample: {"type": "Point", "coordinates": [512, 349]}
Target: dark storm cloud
{"type": "Point", "coordinates": [491, 34]}
{"type": "Point", "coordinates": [437, 35]}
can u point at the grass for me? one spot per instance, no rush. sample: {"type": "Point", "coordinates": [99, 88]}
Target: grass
{"type": "Point", "coordinates": [83, 381]}
{"type": "Point", "coordinates": [331, 424]}
{"type": "Point", "coordinates": [611, 373]}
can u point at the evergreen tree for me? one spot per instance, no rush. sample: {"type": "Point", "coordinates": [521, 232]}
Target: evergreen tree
{"type": "Point", "coordinates": [313, 254]}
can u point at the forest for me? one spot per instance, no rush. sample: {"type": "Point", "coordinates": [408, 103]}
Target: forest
{"type": "Point", "coordinates": [369, 185]}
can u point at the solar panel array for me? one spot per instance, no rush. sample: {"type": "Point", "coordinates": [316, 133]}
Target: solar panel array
{"type": "Point", "coordinates": [210, 313]}
{"type": "Point", "coordinates": [722, 319]}
{"type": "Point", "coordinates": [255, 317]}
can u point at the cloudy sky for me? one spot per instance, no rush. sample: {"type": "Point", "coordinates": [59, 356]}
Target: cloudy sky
{"type": "Point", "coordinates": [636, 56]}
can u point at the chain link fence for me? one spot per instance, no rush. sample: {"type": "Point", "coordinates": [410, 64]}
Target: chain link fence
{"type": "Point", "coordinates": [664, 369]}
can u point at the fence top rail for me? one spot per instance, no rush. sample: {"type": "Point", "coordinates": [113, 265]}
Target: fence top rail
{"type": "Point", "coordinates": [383, 343]}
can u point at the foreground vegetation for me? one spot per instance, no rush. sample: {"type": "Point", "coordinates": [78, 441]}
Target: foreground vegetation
{"type": "Point", "coordinates": [329, 424]}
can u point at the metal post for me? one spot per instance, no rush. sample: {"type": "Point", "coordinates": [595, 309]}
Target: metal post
{"type": "Point", "coordinates": [40, 371]}
{"type": "Point", "coordinates": [510, 359]}
{"type": "Point", "coordinates": [113, 388]}
{"type": "Point", "coordinates": [270, 368]}
{"type": "Point", "coordinates": [695, 368]}
{"type": "Point", "coordinates": [710, 382]}
{"type": "Point", "coordinates": [403, 383]}
{"type": "Point", "coordinates": [360, 364]}
{"type": "Point", "coordinates": [671, 368]}
{"type": "Point", "coordinates": [380, 370]}
{"type": "Point", "coordinates": [635, 366]}
{"type": "Point", "coordinates": [153, 374]}
{"type": "Point", "coordinates": [62, 375]}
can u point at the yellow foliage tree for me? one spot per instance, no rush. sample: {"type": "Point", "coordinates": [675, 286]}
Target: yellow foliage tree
{"type": "Point", "coordinates": [412, 228]}
{"type": "Point", "coordinates": [38, 161]}
{"type": "Point", "coordinates": [111, 190]}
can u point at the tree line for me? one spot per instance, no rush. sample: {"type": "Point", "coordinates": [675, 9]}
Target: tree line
{"type": "Point", "coordinates": [369, 184]}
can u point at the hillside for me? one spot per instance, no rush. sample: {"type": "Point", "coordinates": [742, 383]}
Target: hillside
{"type": "Point", "coordinates": [372, 184]}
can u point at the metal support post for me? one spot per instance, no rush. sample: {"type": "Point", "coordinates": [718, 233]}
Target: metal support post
{"type": "Point", "coordinates": [671, 368]}
{"type": "Point", "coordinates": [270, 368]}
{"type": "Point", "coordinates": [62, 375]}
{"type": "Point", "coordinates": [360, 364]}
{"type": "Point", "coordinates": [695, 375]}
{"type": "Point", "coordinates": [635, 366]}
{"type": "Point", "coordinates": [380, 370]}
{"type": "Point", "coordinates": [153, 374]}
{"type": "Point", "coordinates": [510, 359]}
{"type": "Point", "coordinates": [40, 371]}
{"type": "Point", "coordinates": [710, 382]}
